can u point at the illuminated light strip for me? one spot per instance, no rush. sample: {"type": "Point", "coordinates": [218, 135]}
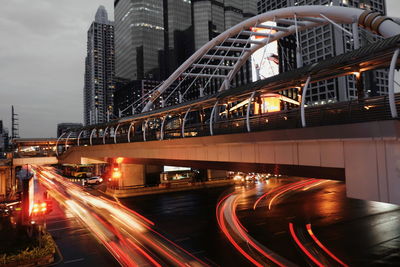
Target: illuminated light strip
{"type": "Point", "coordinates": [235, 218]}
{"type": "Point", "coordinates": [153, 261]}
{"type": "Point", "coordinates": [118, 254]}
{"type": "Point", "coordinates": [122, 254]}
{"type": "Point", "coordinates": [164, 251]}
{"type": "Point", "coordinates": [323, 247]}
{"type": "Point", "coordinates": [319, 264]}
{"type": "Point", "coordinates": [219, 203]}
{"type": "Point", "coordinates": [254, 245]}
{"type": "Point", "coordinates": [274, 190]}
{"type": "Point", "coordinates": [66, 182]}
{"type": "Point", "coordinates": [317, 184]}
{"type": "Point", "coordinates": [287, 189]}
{"type": "Point", "coordinates": [230, 238]}
{"type": "Point", "coordinates": [176, 245]}
{"type": "Point", "coordinates": [137, 214]}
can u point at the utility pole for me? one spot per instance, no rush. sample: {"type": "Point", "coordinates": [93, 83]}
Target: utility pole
{"type": "Point", "coordinates": [14, 124]}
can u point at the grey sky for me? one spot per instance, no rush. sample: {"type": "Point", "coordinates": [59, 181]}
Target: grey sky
{"type": "Point", "coordinates": [42, 52]}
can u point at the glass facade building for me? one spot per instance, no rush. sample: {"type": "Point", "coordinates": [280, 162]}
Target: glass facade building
{"type": "Point", "coordinates": [212, 17]}
{"type": "Point", "coordinates": [99, 70]}
{"type": "Point", "coordinates": [327, 41]}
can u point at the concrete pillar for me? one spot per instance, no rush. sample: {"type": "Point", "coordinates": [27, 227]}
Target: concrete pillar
{"type": "Point", "coordinates": [138, 174]}
{"type": "Point", "coordinates": [373, 170]}
{"type": "Point", "coordinates": [132, 174]}
{"type": "Point", "coordinates": [153, 174]}
{"type": "Point", "coordinates": [216, 174]}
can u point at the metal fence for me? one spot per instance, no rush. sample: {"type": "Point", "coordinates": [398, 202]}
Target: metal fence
{"type": "Point", "coordinates": [355, 111]}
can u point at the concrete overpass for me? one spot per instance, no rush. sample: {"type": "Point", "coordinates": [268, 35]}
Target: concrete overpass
{"type": "Point", "coordinates": [355, 141]}
{"type": "Point", "coordinates": [365, 155]}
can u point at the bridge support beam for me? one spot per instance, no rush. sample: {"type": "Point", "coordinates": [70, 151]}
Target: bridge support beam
{"type": "Point", "coordinates": [139, 174]}
{"type": "Point", "coordinates": [372, 170]}
{"type": "Point", "coordinates": [392, 101]}
{"type": "Point", "coordinates": [132, 174]}
{"type": "Point", "coordinates": [303, 102]}
{"type": "Point", "coordinates": [216, 174]}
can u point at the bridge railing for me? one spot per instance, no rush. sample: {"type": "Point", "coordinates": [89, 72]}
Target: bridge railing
{"type": "Point", "coordinates": [355, 111]}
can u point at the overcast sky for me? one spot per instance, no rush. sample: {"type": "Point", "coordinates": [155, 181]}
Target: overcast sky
{"type": "Point", "coordinates": [42, 53]}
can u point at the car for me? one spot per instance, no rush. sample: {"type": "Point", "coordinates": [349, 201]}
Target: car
{"type": "Point", "coordinates": [94, 180]}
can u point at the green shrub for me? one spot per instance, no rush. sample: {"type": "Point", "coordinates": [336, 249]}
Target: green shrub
{"type": "Point", "coordinates": [31, 254]}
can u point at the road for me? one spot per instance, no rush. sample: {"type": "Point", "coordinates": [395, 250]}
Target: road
{"type": "Point", "coordinates": [279, 222]}
{"type": "Point", "coordinates": [350, 231]}
{"type": "Point", "coordinates": [126, 234]}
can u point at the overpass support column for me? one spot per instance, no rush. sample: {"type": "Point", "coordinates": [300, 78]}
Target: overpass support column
{"type": "Point", "coordinates": [303, 102]}
{"type": "Point", "coordinates": [392, 100]}
{"type": "Point", "coordinates": [132, 174]}
{"type": "Point", "coordinates": [372, 169]}
{"type": "Point", "coordinates": [216, 174]}
{"type": "Point", "coordinates": [139, 174]}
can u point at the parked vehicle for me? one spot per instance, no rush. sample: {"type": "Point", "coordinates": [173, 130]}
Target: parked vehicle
{"type": "Point", "coordinates": [94, 180]}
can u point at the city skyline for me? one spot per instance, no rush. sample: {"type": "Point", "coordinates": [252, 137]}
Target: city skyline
{"type": "Point", "coordinates": [43, 59]}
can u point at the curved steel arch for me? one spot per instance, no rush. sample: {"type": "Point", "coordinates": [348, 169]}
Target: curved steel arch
{"type": "Point", "coordinates": [311, 16]}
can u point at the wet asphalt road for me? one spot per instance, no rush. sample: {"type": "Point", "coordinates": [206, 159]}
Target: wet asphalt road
{"type": "Point", "coordinates": [361, 233]}
{"type": "Point", "coordinates": [77, 246]}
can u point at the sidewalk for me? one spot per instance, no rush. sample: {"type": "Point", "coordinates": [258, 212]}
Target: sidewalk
{"type": "Point", "coordinates": [173, 187]}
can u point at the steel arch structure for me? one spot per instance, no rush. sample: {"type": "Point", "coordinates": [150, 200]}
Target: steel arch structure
{"type": "Point", "coordinates": [209, 62]}
{"type": "Point", "coordinates": [222, 57]}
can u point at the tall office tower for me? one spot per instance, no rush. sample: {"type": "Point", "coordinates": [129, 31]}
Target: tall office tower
{"type": "Point", "coordinates": [139, 36]}
{"type": "Point", "coordinates": [99, 70]}
{"type": "Point", "coordinates": [212, 17]}
{"type": "Point", "coordinates": [152, 37]}
{"type": "Point", "coordinates": [328, 41]}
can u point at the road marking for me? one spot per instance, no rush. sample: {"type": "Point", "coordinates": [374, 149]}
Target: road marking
{"type": "Point", "coordinates": [76, 260]}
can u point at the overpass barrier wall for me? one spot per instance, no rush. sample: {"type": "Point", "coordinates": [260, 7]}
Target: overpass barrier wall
{"type": "Point", "coordinates": [365, 155]}
{"type": "Point", "coordinates": [370, 109]}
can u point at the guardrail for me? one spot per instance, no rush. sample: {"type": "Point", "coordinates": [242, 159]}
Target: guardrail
{"type": "Point", "coordinates": [355, 111]}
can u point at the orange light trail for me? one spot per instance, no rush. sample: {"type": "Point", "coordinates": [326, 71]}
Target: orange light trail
{"type": "Point", "coordinates": [116, 226]}
{"type": "Point", "coordinates": [296, 239]}
{"type": "Point", "coordinates": [294, 187]}
{"type": "Point", "coordinates": [230, 238]}
{"type": "Point", "coordinates": [322, 246]}
{"type": "Point", "coordinates": [144, 253]}
{"type": "Point", "coordinates": [251, 242]}
{"type": "Point", "coordinates": [276, 189]}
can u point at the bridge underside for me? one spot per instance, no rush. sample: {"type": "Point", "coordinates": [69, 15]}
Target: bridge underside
{"type": "Point", "coordinates": [365, 155]}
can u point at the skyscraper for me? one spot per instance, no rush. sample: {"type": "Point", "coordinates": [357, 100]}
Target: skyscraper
{"type": "Point", "coordinates": [212, 17]}
{"type": "Point", "coordinates": [139, 36]}
{"type": "Point", "coordinates": [152, 37]}
{"type": "Point", "coordinates": [327, 41]}
{"type": "Point", "coordinates": [99, 69]}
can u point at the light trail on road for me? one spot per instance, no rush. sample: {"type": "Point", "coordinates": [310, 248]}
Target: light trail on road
{"type": "Point", "coordinates": [237, 235]}
{"type": "Point", "coordinates": [327, 251]}
{"type": "Point", "coordinates": [129, 236]}
{"type": "Point", "coordinates": [251, 249]}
